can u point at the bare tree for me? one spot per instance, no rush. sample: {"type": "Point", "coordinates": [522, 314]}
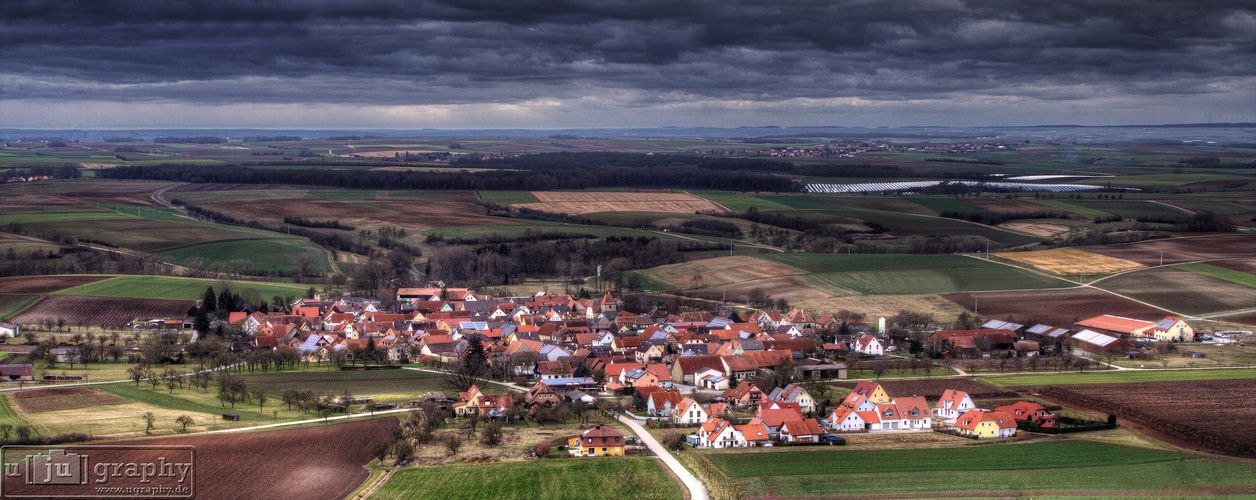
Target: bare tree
{"type": "Point", "coordinates": [149, 418]}
{"type": "Point", "coordinates": [185, 421]}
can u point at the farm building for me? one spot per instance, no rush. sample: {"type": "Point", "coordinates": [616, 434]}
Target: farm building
{"type": "Point", "coordinates": [1169, 328]}
{"type": "Point", "coordinates": [1046, 333]}
{"type": "Point", "coordinates": [9, 330]}
{"type": "Point", "coordinates": [16, 372]}
{"type": "Point", "coordinates": [1098, 343]}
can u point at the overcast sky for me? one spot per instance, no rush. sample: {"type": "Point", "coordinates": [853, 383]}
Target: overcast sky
{"type": "Point", "coordinates": [609, 63]}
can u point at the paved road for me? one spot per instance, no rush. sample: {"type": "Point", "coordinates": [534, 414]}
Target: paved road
{"type": "Point", "coordinates": [696, 490]}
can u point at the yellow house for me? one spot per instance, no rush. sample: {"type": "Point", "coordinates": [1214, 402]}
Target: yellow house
{"type": "Point", "coordinates": [598, 441]}
{"type": "Point", "coordinates": [871, 390]}
{"type": "Point", "coordinates": [986, 424]}
{"type": "Point", "coordinates": [1173, 328]}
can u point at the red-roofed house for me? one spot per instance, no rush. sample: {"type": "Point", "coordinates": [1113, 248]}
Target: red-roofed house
{"type": "Point", "coordinates": [986, 424]}
{"type": "Point", "coordinates": [1030, 411]}
{"type": "Point", "coordinates": [801, 431]}
{"type": "Point", "coordinates": [953, 404]}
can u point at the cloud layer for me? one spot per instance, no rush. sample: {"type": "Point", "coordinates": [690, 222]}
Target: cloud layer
{"type": "Point", "coordinates": [648, 62]}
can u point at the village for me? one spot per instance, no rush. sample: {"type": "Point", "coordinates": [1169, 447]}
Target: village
{"type": "Point", "coordinates": [726, 379]}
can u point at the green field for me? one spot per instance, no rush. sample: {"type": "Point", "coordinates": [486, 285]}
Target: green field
{"type": "Point", "coordinates": [340, 194]}
{"type": "Point", "coordinates": [85, 215]}
{"type": "Point", "coordinates": [1219, 207]}
{"type": "Point", "coordinates": [383, 385]}
{"type": "Point", "coordinates": [507, 197]}
{"type": "Point", "coordinates": [908, 274]}
{"type": "Point", "coordinates": [265, 254]}
{"type": "Point", "coordinates": [1222, 273]}
{"type": "Point", "coordinates": [1041, 467]}
{"type": "Point", "coordinates": [797, 202]}
{"type": "Point", "coordinates": [162, 287]}
{"type": "Point", "coordinates": [939, 205]}
{"type": "Point", "coordinates": [604, 478]}
{"type": "Point", "coordinates": [11, 305]}
{"type": "Point", "coordinates": [1089, 213]}
{"type": "Point", "coordinates": [1118, 377]}
{"type": "Point", "coordinates": [1133, 209]}
{"type": "Point", "coordinates": [907, 224]}
{"type": "Point", "coordinates": [739, 201]}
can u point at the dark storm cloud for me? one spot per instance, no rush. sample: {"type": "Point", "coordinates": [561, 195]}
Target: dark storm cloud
{"type": "Point", "coordinates": [402, 52]}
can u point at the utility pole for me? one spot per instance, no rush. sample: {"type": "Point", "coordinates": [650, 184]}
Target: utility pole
{"type": "Point", "coordinates": [1162, 257]}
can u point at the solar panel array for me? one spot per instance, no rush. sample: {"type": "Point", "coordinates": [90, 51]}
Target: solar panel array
{"type": "Point", "coordinates": [876, 187]}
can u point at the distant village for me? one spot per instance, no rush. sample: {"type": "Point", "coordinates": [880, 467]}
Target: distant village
{"type": "Point", "coordinates": [710, 370]}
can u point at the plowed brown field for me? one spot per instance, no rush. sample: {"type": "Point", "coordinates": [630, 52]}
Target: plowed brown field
{"type": "Point", "coordinates": [1178, 250]}
{"type": "Point", "coordinates": [101, 311]}
{"type": "Point", "coordinates": [309, 463]}
{"type": "Point", "coordinates": [1212, 415]}
{"type": "Point", "coordinates": [1056, 307]}
{"type": "Point", "coordinates": [587, 202]}
{"type": "Point", "coordinates": [44, 284]}
{"type": "Point", "coordinates": [63, 398]}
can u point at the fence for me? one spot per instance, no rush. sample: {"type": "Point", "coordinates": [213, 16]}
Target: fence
{"type": "Point", "coordinates": [1066, 425]}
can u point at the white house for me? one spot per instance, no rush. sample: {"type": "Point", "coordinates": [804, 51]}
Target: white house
{"type": "Point", "coordinates": [689, 412]}
{"type": "Point", "coordinates": [868, 344]}
{"type": "Point", "coordinates": [718, 433]}
{"type": "Point", "coordinates": [953, 404]}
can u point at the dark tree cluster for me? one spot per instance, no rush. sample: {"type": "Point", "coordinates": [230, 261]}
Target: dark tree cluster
{"type": "Point", "coordinates": [320, 224]}
{"type": "Point", "coordinates": [994, 218]}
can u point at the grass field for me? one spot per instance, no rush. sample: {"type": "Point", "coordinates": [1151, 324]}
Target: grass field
{"type": "Point", "coordinates": [1070, 261]}
{"type": "Point", "coordinates": [1042, 468]}
{"type": "Point", "coordinates": [507, 197]}
{"type": "Point", "coordinates": [266, 254]}
{"type": "Point", "coordinates": [1222, 273]}
{"type": "Point", "coordinates": [939, 204]}
{"type": "Point", "coordinates": [418, 195]}
{"type": "Point", "coordinates": [908, 274]}
{"type": "Point", "coordinates": [1132, 209]}
{"type": "Point", "coordinates": [1118, 377]}
{"type": "Point", "coordinates": [162, 287]}
{"type": "Point", "coordinates": [605, 478]}
{"type": "Point", "coordinates": [11, 305]}
{"type": "Point", "coordinates": [1082, 211]}
{"type": "Point", "coordinates": [739, 201]}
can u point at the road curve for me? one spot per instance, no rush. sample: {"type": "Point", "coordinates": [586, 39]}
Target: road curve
{"type": "Point", "coordinates": [696, 490]}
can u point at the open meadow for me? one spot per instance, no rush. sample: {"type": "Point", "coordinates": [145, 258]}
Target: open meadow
{"type": "Point", "coordinates": [609, 478]}
{"type": "Point", "coordinates": [1069, 467]}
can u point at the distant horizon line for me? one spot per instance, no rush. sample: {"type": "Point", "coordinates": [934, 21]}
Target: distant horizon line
{"type": "Point", "coordinates": [663, 127]}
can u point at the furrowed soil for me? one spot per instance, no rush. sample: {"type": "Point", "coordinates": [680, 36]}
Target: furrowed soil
{"type": "Point", "coordinates": [101, 311]}
{"type": "Point", "coordinates": [63, 398]}
{"type": "Point", "coordinates": [308, 463]}
{"type": "Point", "coordinates": [1055, 307]}
{"type": "Point", "coordinates": [1186, 249]}
{"type": "Point", "coordinates": [1175, 409]}
{"type": "Point", "coordinates": [44, 284]}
